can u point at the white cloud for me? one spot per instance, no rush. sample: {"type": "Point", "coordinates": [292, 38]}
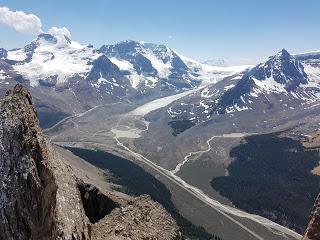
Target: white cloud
{"type": "Point", "coordinates": [60, 31]}
{"type": "Point", "coordinates": [20, 21]}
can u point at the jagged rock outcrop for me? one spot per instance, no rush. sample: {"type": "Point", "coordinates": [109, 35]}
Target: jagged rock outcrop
{"type": "Point", "coordinates": [139, 219]}
{"type": "Point", "coordinates": [42, 198]}
{"type": "Point", "coordinates": [313, 229]}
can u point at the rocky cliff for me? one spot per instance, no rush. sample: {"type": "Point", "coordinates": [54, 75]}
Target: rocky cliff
{"type": "Point", "coordinates": [43, 197]}
{"type": "Point", "coordinates": [313, 230]}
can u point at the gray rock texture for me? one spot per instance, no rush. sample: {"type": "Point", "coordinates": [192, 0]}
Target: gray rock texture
{"type": "Point", "coordinates": [42, 197]}
{"type": "Point", "coordinates": [313, 230]}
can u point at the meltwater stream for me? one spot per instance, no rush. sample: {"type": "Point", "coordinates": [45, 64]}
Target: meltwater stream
{"type": "Point", "coordinates": [227, 211]}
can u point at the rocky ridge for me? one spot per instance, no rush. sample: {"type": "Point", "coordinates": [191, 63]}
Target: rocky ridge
{"type": "Point", "coordinates": [41, 196]}
{"type": "Point", "coordinates": [313, 230]}
{"type": "Point", "coordinates": [282, 81]}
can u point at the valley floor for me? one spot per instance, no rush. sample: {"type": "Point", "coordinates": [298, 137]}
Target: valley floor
{"type": "Point", "coordinates": [117, 134]}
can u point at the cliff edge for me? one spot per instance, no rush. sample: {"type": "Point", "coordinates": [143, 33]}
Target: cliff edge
{"type": "Point", "coordinates": [313, 229]}
{"type": "Point", "coordinates": [42, 197]}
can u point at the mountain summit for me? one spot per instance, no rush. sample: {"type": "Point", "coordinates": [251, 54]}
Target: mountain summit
{"type": "Point", "coordinates": [284, 68]}
{"type": "Point", "coordinates": [282, 82]}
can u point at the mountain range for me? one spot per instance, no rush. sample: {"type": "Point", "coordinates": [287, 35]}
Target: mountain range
{"type": "Point", "coordinates": [78, 77]}
{"type": "Point", "coordinates": [283, 82]}
{"type": "Point", "coordinates": [191, 121]}
{"type": "Point", "coordinates": [246, 132]}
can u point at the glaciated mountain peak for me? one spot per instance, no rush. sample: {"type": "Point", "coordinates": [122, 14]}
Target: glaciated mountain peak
{"type": "Point", "coordinates": [122, 49]}
{"type": "Point", "coordinates": [147, 62]}
{"type": "Point", "coordinates": [51, 57]}
{"type": "Point", "coordinates": [54, 39]}
{"type": "Point", "coordinates": [283, 54]}
{"type": "Point", "coordinates": [53, 60]}
{"type": "Point", "coordinates": [130, 48]}
{"type": "Point", "coordinates": [283, 68]}
{"type": "Point", "coordinates": [147, 59]}
{"type": "Point", "coordinates": [282, 83]}
{"type": "Point", "coordinates": [58, 39]}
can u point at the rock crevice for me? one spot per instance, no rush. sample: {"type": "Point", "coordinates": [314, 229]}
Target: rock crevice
{"type": "Point", "coordinates": [96, 204]}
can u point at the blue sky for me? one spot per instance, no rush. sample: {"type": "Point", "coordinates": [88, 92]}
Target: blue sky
{"type": "Point", "coordinates": [240, 31]}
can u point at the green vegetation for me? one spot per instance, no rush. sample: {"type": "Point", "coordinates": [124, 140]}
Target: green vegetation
{"type": "Point", "coordinates": [180, 125]}
{"type": "Point", "coordinates": [270, 176]}
{"type": "Point", "coordinates": [137, 182]}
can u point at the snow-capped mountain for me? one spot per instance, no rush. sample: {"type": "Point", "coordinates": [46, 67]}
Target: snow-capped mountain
{"type": "Point", "coordinates": [54, 63]}
{"type": "Point", "coordinates": [213, 74]}
{"type": "Point", "coordinates": [283, 82]}
{"type": "Point", "coordinates": [51, 59]}
{"type": "Point", "coordinates": [151, 64]}
{"type": "Point", "coordinates": [69, 77]}
{"type": "Point", "coordinates": [127, 68]}
{"type": "Point", "coordinates": [311, 63]}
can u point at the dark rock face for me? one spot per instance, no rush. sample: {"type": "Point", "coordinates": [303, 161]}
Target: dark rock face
{"type": "Point", "coordinates": [279, 82]}
{"type": "Point", "coordinates": [126, 48]}
{"type": "Point", "coordinates": [284, 68]}
{"type": "Point", "coordinates": [3, 53]}
{"type": "Point", "coordinates": [42, 198]}
{"type": "Point", "coordinates": [27, 187]}
{"type": "Point", "coordinates": [143, 65]}
{"type": "Point", "coordinates": [313, 230]}
{"type": "Point", "coordinates": [138, 54]}
{"type": "Point", "coordinates": [47, 37]}
{"type": "Point", "coordinates": [130, 51]}
{"type": "Point", "coordinates": [29, 50]}
{"type": "Point", "coordinates": [233, 96]}
{"type": "Point", "coordinates": [107, 79]}
{"type": "Point", "coordinates": [104, 66]}
{"type": "Point", "coordinates": [96, 204]}
{"type": "Point", "coordinates": [178, 65]}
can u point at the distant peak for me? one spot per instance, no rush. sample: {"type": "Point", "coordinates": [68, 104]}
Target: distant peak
{"type": "Point", "coordinates": [283, 53]}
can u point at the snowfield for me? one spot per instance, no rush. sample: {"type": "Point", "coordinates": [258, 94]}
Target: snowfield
{"type": "Point", "coordinates": [59, 60]}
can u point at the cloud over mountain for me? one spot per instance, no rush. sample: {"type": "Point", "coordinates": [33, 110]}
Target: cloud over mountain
{"type": "Point", "coordinates": [20, 21]}
{"type": "Point", "coordinates": [60, 31]}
